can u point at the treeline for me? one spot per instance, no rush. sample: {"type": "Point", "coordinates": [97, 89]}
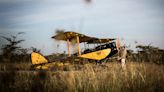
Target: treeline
{"type": "Point", "coordinates": [12, 52]}
{"type": "Point", "coordinates": [146, 54]}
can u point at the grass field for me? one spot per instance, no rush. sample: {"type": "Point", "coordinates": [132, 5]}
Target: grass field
{"type": "Point", "coordinates": [109, 77]}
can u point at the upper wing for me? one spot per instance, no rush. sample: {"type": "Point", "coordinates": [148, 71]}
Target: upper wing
{"type": "Point", "coordinates": [71, 36]}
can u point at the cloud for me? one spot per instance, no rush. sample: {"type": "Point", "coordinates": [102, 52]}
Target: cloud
{"type": "Point", "coordinates": [102, 18]}
{"type": "Point", "coordinates": [40, 12]}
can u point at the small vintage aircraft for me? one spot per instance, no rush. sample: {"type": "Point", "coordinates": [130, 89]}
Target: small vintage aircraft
{"type": "Point", "coordinates": [105, 48]}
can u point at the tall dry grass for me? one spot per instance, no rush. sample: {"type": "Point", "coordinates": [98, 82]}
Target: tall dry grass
{"type": "Point", "coordinates": [110, 77]}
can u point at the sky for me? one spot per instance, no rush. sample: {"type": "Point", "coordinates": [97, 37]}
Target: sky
{"type": "Point", "coordinates": [130, 20]}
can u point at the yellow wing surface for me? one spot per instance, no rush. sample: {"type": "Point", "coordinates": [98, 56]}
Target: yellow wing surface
{"type": "Point", "coordinates": [97, 55]}
{"type": "Point", "coordinates": [38, 59]}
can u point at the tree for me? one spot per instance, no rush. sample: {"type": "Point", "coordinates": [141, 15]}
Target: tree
{"type": "Point", "coordinates": [33, 49]}
{"type": "Point", "coordinates": [150, 54]}
{"type": "Point", "coordinates": [11, 47]}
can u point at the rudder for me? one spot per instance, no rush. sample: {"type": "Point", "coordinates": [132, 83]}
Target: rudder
{"type": "Point", "coordinates": [38, 58]}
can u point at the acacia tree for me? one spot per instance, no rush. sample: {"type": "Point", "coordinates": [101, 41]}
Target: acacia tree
{"type": "Point", "coordinates": [150, 54]}
{"type": "Point", "coordinates": [11, 47]}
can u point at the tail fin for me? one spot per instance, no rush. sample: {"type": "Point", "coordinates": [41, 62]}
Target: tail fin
{"type": "Point", "coordinates": [38, 58]}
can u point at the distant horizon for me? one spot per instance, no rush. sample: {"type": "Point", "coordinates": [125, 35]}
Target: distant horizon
{"type": "Point", "coordinates": [130, 20]}
{"type": "Point", "coordinates": [64, 44]}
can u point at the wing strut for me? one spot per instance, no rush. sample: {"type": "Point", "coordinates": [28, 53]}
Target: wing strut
{"type": "Point", "coordinates": [78, 43]}
{"type": "Point", "coordinates": [69, 47]}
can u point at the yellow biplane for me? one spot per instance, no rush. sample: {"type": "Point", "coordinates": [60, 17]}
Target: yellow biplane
{"type": "Point", "coordinates": [105, 48]}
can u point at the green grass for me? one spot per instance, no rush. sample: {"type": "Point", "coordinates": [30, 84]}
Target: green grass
{"type": "Point", "coordinates": [110, 77]}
